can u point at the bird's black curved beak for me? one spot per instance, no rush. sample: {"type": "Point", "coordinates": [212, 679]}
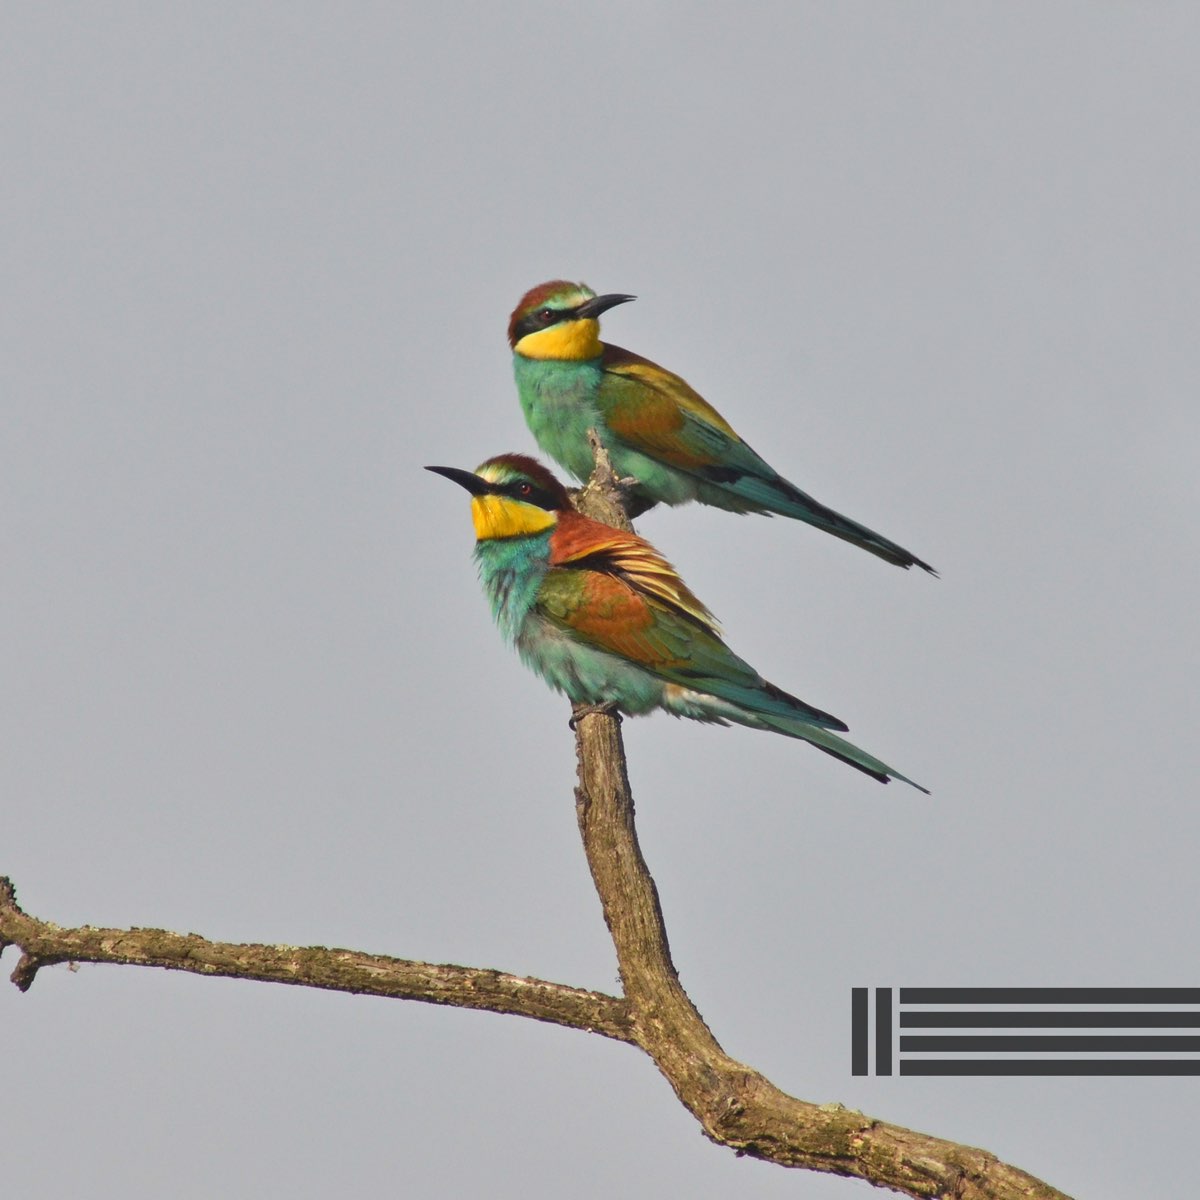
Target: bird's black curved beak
{"type": "Point", "coordinates": [467, 479]}
{"type": "Point", "coordinates": [598, 304]}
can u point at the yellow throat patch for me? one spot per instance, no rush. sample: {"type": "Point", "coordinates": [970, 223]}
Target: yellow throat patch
{"type": "Point", "coordinates": [572, 341]}
{"type": "Point", "coordinates": [502, 517]}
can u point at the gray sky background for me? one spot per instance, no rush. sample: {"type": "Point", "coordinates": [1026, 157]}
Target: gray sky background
{"type": "Point", "coordinates": [938, 262]}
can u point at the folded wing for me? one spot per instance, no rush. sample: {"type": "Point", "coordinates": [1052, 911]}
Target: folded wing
{"type": "Point", "coordinates": [614, 591]}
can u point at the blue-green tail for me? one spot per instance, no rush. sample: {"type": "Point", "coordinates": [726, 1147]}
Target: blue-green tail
{"type": "Point", "coordinates": [762, 705]}
{"type": "Point", "coordinates": [773, 493]}
{"type": "Point", "coordinates": [841, 749]}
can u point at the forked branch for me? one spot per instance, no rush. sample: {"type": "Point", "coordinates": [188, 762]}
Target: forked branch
{"type": "Point", "coordinates": [734, 1104]}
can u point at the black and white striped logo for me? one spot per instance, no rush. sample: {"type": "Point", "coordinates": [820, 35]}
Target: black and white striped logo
{"type": "Point", "coordinates": [1026, 1031]}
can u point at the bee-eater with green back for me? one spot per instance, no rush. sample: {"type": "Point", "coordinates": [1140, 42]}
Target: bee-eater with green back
{"type": "Point", "coordinates": [600, 615]}
{"type": "Point", "coordinates": [656, 428]}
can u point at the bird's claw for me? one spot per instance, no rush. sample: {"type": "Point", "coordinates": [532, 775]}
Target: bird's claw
{"type": "Point", "coordinates": [608, 709]}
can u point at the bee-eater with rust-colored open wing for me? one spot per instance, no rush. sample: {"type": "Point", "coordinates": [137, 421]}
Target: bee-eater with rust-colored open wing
{"type": "Point", "coordinates": [656, 428]}
{"type": "Point", "coordinates": [600, 615]}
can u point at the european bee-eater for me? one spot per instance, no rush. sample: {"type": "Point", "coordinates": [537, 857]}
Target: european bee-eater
{"type": "Point", "coordinates": [656, 428]}
{"type": "Point", "coordinates": [600, 615]}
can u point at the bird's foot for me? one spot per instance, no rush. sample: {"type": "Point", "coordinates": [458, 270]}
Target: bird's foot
{"type": "Point", "coordinates": [609, 709]}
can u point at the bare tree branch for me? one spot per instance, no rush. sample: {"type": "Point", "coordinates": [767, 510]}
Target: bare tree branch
{"type": "Point", "coordinates": [734, 1104]}
{"type": "Point", "coordinates": [44, 944]}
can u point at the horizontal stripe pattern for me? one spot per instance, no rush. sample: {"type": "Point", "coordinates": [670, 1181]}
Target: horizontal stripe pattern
{"type": "Point", "coordinates": [987, 1012]}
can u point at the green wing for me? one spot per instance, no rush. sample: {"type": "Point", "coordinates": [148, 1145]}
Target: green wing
{"type": "Point", "coordinates": [611, 613]}
{"type": "Point", "coordinates": [654, 411]}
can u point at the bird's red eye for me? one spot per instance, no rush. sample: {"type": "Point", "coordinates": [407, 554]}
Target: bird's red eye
{"type": "Point", "coordinates": [546, 315]}
{"type": "Point", "coordinates": [525, 489]}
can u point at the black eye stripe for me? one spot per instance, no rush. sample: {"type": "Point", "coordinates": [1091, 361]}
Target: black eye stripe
{"type": "Point", "coordinates": [535, 320]}
{"type": "Point", "coordinates": [528, 493]}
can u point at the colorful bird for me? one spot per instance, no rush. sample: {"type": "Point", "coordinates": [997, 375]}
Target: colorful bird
{"type": "Point", "coordinates": [600, 615]}
{"type": "Point", "coordinates": [656, 429]}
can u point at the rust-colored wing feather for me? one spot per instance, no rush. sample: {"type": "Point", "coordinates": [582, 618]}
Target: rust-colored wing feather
{"type": "Point", "coordinates": [656, 412]}
{"type": "Point", "coordinates": [615, 592]}
{"type": "Point", "coordinates": [581, 542]}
